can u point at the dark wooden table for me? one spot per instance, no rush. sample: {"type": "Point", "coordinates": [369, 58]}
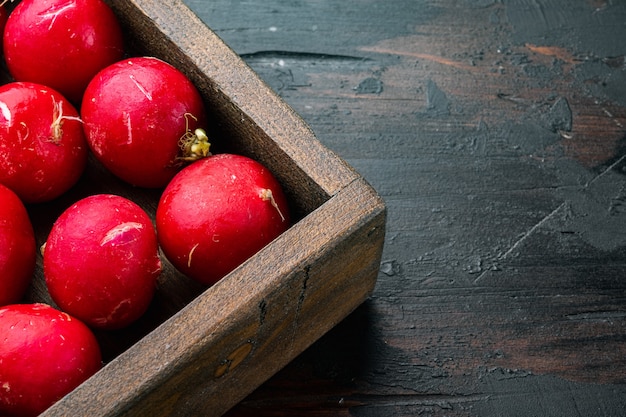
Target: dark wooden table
{"type": "Point", "coordinates": [494, 130]}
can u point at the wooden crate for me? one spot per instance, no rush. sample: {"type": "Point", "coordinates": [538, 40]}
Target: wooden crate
{"type": "Point", "coordinates": [200, 351]}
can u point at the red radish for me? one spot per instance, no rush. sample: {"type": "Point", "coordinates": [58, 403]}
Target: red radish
{"type": "Point", "coordinates": [17, 248]}
{"type": "Point", "coordinates": [61, 43]}
{"type": "Point", "coordinates": [136, 112]}
{"type": "Point", "coordinates": [43, 151]}
{"type": "Point", "coordinates": [216, 213]}
{"type": "Point", "coordinates": [44, 355]}
{"type": "Point", "coordinates": [101, 261]}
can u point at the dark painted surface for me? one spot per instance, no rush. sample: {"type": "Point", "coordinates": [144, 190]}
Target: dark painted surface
{"type": "Point", "coordinates": [495, 131]}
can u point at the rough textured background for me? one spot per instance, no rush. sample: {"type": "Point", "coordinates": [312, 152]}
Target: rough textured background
{"type": "Point", "coordinates": [495, 132]}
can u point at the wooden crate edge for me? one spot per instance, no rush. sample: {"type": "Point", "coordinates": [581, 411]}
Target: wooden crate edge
{"type": "Point", "coordinates": [152, 377]}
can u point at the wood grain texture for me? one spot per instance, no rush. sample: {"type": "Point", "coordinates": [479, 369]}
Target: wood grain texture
{"type": "Point", "coordinates": [494, 131]}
